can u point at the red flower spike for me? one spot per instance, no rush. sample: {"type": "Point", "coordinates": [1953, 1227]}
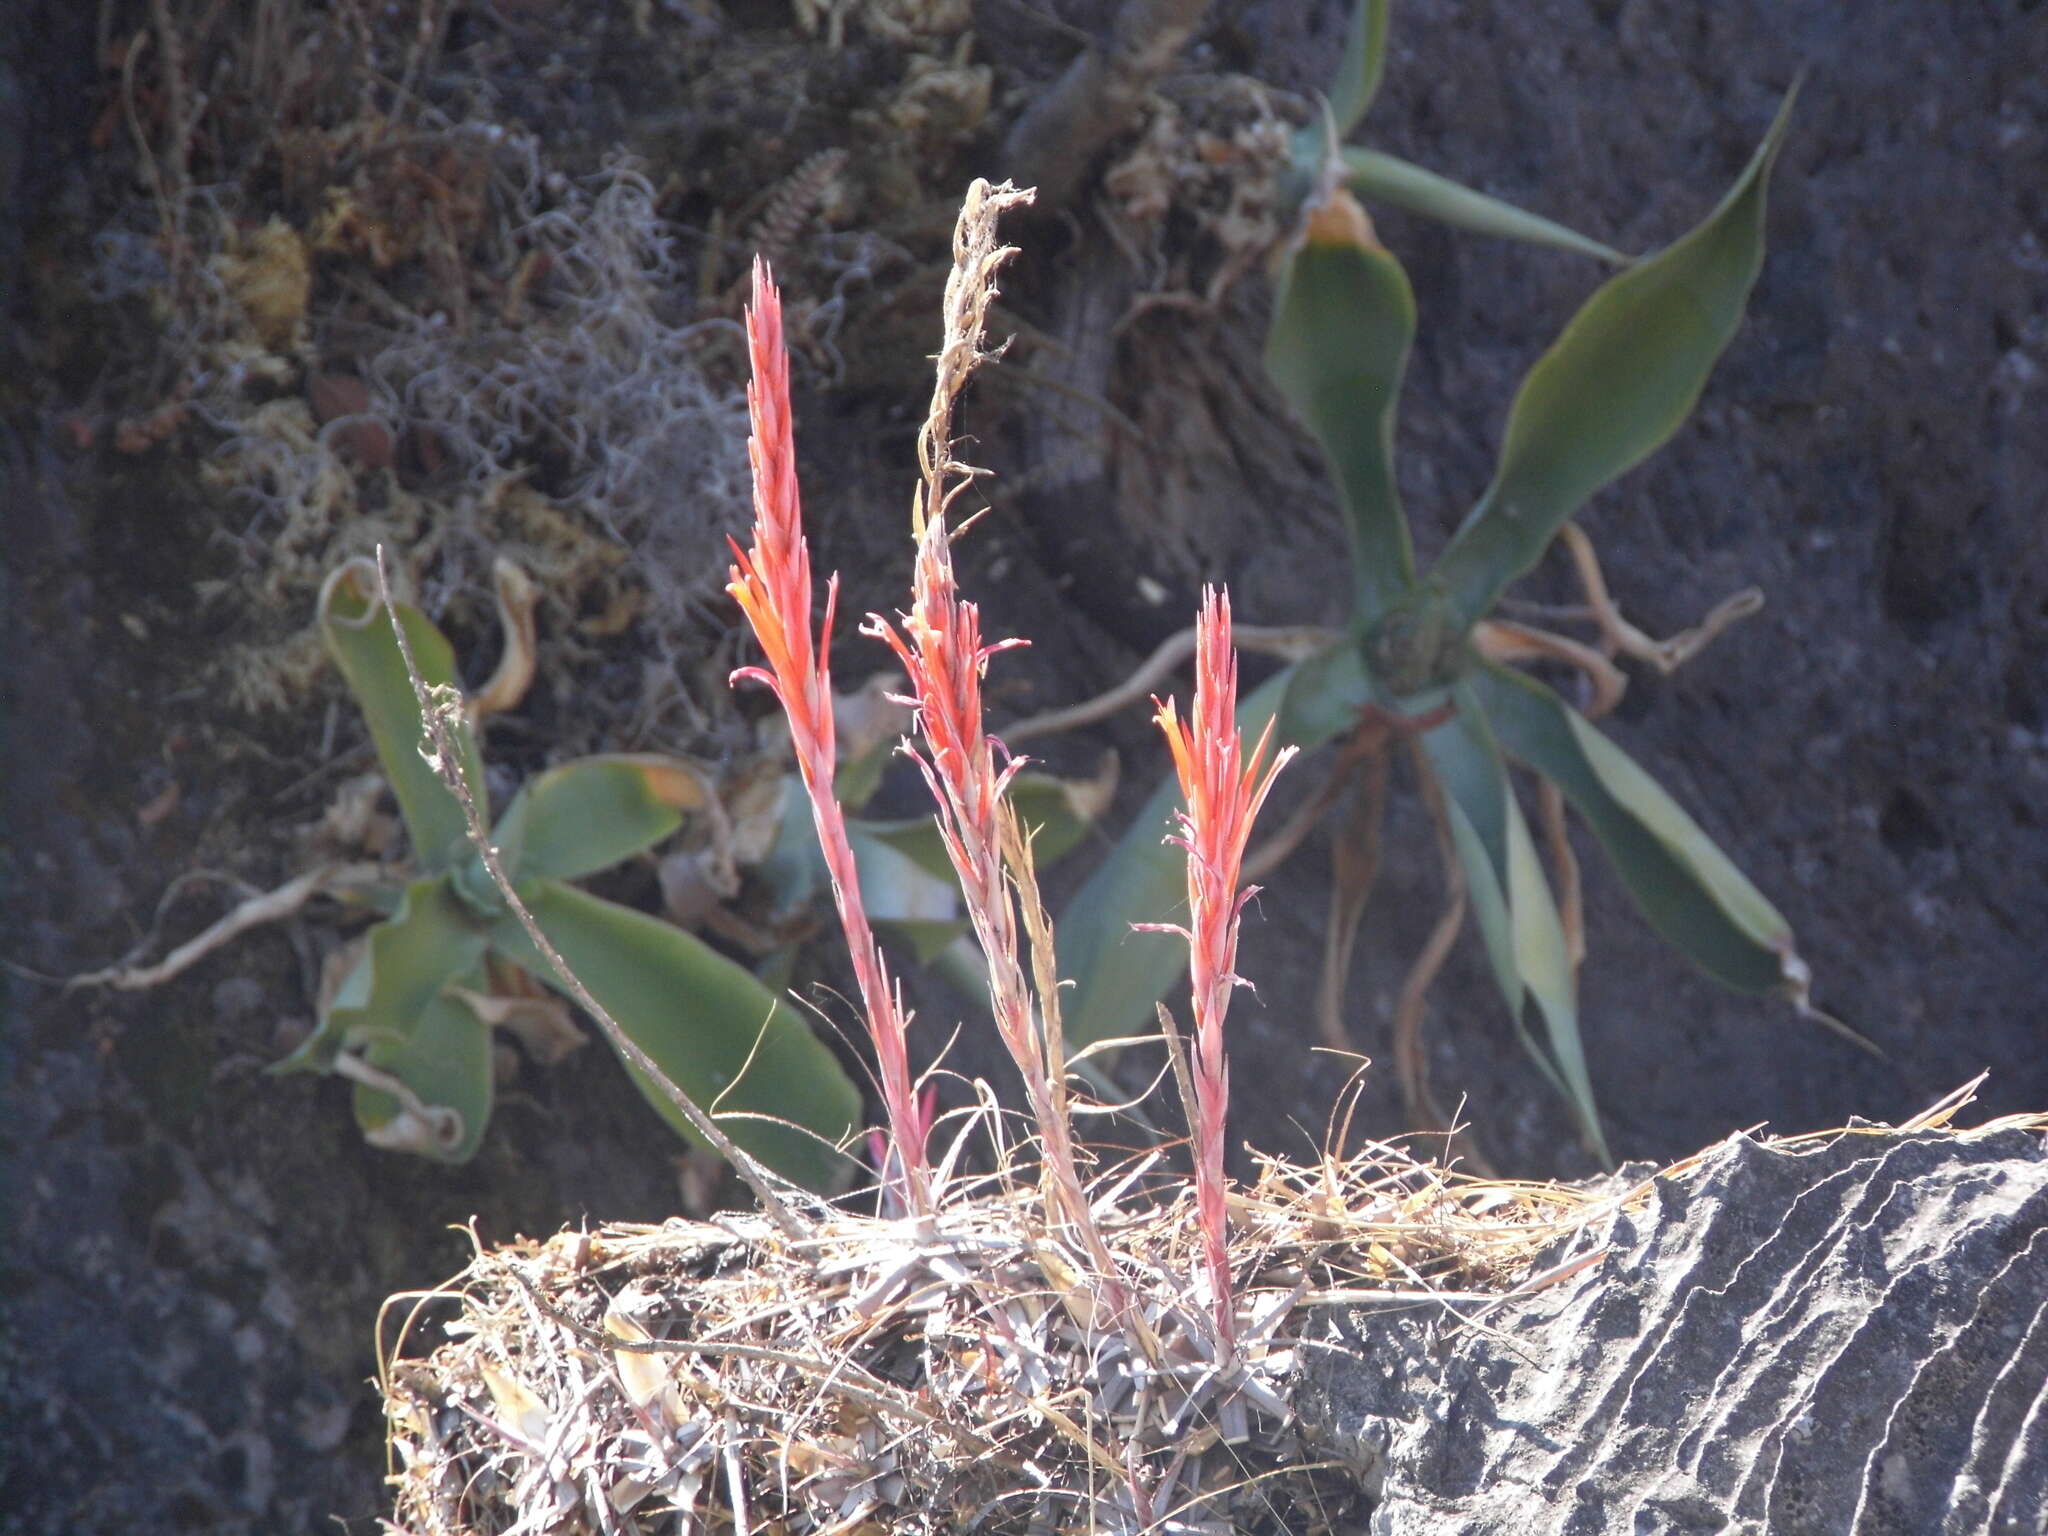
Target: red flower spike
{"type": "Point", "coordinates": [771, 582]}
{"type": "Point", "coordinates": [940, 648]}
{"type": "Point", "coordinates": [939, 644]}
{"type": "Point", "coordinates": [1223, 792]}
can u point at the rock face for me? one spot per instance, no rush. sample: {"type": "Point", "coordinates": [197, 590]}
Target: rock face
{"type": "Point", "coordinates": [1852, 1339]}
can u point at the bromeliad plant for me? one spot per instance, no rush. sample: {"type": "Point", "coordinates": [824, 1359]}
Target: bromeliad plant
{"type": "Point", "coordinates": [411, 1018]}
{"type": "Point", "coordinates": [771, 582]}
{"type": "Point", "coordinates": [985, 834]}
{"type": "Point", "coordinates": [1425, 658]}
{"type": "Point", "coordinates": [939, 645]}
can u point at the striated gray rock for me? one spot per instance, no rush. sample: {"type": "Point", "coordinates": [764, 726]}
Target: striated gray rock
{"type": "Point", "coordinates": [1847, 1339]}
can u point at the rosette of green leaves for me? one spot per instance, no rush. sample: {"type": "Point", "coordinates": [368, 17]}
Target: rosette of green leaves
{"type": "Point", "coordinates": [1619, 381]}
{"type": "Point", "coordinates": [403, 1010]}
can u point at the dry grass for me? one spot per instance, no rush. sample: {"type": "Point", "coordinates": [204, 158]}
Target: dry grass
{"type": "Point", "coordinates": [949, 1374]}
{"type": "Point", "coordinates": [953, 1374]}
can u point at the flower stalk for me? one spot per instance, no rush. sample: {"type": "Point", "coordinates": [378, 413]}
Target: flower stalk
{"type": "Point", "coordinates": [771, 581]}
{"type": "Point", "coordinates": [1223, 791]}
{"type": "Point", "coordinates": [940, 646]}
{"type": "Point", "coordinates": [939, 643]}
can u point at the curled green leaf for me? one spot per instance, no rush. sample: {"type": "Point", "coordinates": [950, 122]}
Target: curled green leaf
{"type": "Point", "coordinates": [359, 635]}
{"type": "Point", "coordinates": [1690, 890]}
{"type": "Point", "coordinates": [428, 941]}
{"type": "Point", "coordinates": [441, 1089]}
{"type": "Point", "coordinates": [1342, 324]}
{"type": "Point", "coordinates": [1621, 379]}
{"type": "Point", "coordinates": [587, 815]}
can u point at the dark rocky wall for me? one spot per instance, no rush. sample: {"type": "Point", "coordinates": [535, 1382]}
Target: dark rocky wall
{"type": "Point", "coordinates": [1870, 452]}
{"type": "Point", "coordinates": [196, 1253]}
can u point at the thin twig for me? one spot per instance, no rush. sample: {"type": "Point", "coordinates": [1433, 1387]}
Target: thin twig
{"type": "Point", "coordinates": [445, 760]}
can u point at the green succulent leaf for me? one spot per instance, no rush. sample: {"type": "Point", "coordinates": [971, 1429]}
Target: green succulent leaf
{"type": "Point", "coordinates": [1512, 902]}
{"type": "Point", "coordinates": [587, 815]}
{"type": "Point", "coordinates": [1384, 178]}
{"type": "Point", "coordinates": [409, 959]}
{"type": "Point", "coordinates": [1468, 768]}
{"type": "Point", "coordinates": [1058, 814]}
{"type": "Point", "coordinates": [1119, 975]}
{"type": "Point", "coordinates": [793, 871]}
{"type": "Point", "coordinates": [360, 637]}
{"type": "Point", "coordinates": [1621, 379]}
{"type": "Point", "coordinates": [710, 1025]}
{"type": "Point", "coordinates": [444, 1058]}
{"type": "Point", "coordinates": [860, 776]}
{"type": "Point", "coordinates": [317, 1051]}
{"type": "Point", "coordinates": [1362, 66]}
{"type": "Point", "coordinates": [1342, 324]}
{"type": "Point", "coordinates": [1690, 890]}
{"type": "Point", "coordinates": [393, 1010]}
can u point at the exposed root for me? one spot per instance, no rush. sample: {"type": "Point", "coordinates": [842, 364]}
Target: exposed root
{"type": "Point", "coordinates": [1617, 634]}
{"type": "Point", "coordinates": [1293, 642]}
{"type": "Point", "coordinates": [1355, 856]}
{"type": "Point", "coordinates": [254, 912]}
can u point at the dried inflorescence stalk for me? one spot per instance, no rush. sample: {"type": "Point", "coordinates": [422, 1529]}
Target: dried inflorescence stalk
{"type": "Point", "coordinates": [940, 646]}
{"type": "Point", "coordinates": [1223, 792]}
{"type": "Point", "coordinates": [772, 584]}
{"type": "Point", "coordinates": [970, 289]}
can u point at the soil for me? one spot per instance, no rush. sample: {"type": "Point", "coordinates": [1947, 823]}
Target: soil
{"type": "Point", "coordinates": [198, 1250]}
